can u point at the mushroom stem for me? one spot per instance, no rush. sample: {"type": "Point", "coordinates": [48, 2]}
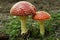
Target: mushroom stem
{"type": "Point", "coordinates": [23, 25]}
{"type": "Point", "coordinates": [42, 30]}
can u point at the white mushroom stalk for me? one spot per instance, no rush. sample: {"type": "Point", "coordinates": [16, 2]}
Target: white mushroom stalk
{"type": "Point", "coordinates": [23, 21]}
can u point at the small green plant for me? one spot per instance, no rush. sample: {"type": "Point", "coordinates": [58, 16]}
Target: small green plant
{"type": "Point", "coordinates": [12, 28]}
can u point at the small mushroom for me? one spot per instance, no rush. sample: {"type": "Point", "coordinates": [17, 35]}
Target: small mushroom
{"type": "Point", "coordinates": [23, 9]}
{"type": "Point", "coordinates": [41, 16]}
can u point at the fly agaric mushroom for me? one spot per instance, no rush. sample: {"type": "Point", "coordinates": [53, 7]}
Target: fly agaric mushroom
{"type": "Point", "coordinates": [41, 16]}
{"type": "Point", "coordinates": [23, 9]}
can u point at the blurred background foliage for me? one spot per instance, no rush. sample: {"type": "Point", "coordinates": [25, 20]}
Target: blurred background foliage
{"type": "Point", "coordinates": [13, 27]}
{"type": "Point", "coordinates": [11, 24]}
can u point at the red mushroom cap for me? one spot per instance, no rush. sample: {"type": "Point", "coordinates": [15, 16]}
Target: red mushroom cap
{"type": "Point", "coordinates": [23, 8]}
{"type": "Point", "coordinates": [41, 15]}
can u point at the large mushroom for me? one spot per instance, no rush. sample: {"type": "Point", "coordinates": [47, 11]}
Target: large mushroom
{"type": "Point", "coordinates": [23, 9]}
{"type": "Point", "coordinates": [41, 16]}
